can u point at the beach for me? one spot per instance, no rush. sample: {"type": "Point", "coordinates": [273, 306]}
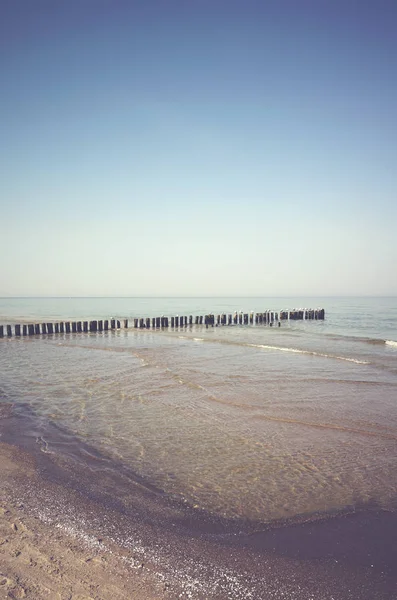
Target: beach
{"type": "Point", "coordinates": [235, 462]}
{"type": "Point", "coordinates": [66, 534]}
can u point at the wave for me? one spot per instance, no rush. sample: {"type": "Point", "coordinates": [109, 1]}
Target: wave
{"type": "Point", "coordinates": [365, 340]}
{"type": "Point", "coordinates": [310, 352]}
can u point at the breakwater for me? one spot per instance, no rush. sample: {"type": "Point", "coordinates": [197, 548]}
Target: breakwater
{"type": "Point", "coordinates": [267, 317]}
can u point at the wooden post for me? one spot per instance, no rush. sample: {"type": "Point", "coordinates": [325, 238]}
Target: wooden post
{"type": "Point", "coordinates": [67, 327]}
{"type": "Point", "coordinates": [136, 321]}
{"type": "Point", "coordinates": [196, 320]}
{"type": "Point", "coordinates": [85, 326]}
{"type": "Point", "coordinates": [43, 328]}
{"type": "Point", "coordinates": [158, 322]}
{"type": "Point", "coordinates": [229, 322]}
{"type": "Point", "coordinates": [100, 325]}
{"type": "Point", "coordinates": [125, 323]}
{"type": "Point", "coordinates": [9, 331]}
{"type": "Point", "coordinates": [172, 321]}
{"type": "Point", "coordinates": [31, 329]}
{"type": "Point", "coordinates": [190, 319]}
{"type": "Point", "coordinates": [79, 326]}
{"type": "Point", "coordinates": [93, 326]}
{"type": "Point", "coordinates": [17, 330]}
{"type": "Point", "coordinates": [176, 321]}
{"type": "Point", "coordinates": [61, 327]}
{"type": "Point", "coordinates": [37, 329]}
{"type": "Point", "coordinates": [50, 328]}
{"type": "Point", "coordinates": [112, 323]}
{"type": "Point", "coordinates": [201, 319]}
{"type": "Point", "coordinates": [246, 319]}
{"type": "Point", "coordinates": [74, 327]}
{"type": "Point", "coordinates": [106, 325]}
{"type": "Point", "coordinates": [118, 324]}
{"type": "Point", "coordinates": [24, 330]}
{"type": "Point", "coordinates": [1, 331]}
{"type": "Point", "coordinates": [56, 327]}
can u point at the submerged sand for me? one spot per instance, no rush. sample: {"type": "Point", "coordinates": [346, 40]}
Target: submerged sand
{"type": "Point", "coordinates": [75, 530]}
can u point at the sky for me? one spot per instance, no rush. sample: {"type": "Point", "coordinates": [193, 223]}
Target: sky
{"type": "Point", "coordinates": [198, 147]}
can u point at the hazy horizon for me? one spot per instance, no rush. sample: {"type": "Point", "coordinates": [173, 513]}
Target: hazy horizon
{"type": "Point", "coordinates": [198, 149]}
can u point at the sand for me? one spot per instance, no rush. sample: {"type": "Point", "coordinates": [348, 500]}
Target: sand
{"type": "Point", "coordinates": [73, 527]}
{"type": "Point", "coordinates": [42, 560]}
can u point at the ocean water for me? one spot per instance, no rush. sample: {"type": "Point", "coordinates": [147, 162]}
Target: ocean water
{"type": "Point", "coordinates": [253, 422]}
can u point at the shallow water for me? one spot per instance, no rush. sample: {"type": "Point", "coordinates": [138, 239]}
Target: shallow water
{"type": "Point", "coordinates": [244, 421]}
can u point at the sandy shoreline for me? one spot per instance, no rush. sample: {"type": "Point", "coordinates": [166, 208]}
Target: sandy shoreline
{"type": "Point", "coordinates": [76, 529]}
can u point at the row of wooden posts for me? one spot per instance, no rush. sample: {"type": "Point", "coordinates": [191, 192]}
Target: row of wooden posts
{"type": "Point", "coordinates": [210, 320]}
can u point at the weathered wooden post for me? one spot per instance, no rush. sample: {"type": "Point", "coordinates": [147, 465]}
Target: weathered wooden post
{"type": "Point", "coordinates": [235, 318]}
{"type": "Point", "coordinates": [74, 327]}
{"type": "Point", "coordinates": [118, 324]}
{"type": "Point", "coordinates": [50, 328]}
{"type": "Point", "coordinates": [37, 329]}
{"type": "Point", "coordinates": [61, 327]}
{"type": "Point", "coordinates": [246, 319]}
{"type": "Point", "coordinates": [148, 323]}
{"type": "Point", "coordinates": [17, 330]}
{"type": "Point", "coordinates": [113, 324]}
{"type": "Point", "coordinates": [106, 325]}
{"type": "Point", "coordinates": [1, 331]}
{"type": "Point", "coordinates": [172, 321]}
{"type": "Point", "coordinates": [125, 323]}
{"type": "Point", "coordinates": [31, 329]}
{"type": "Point", "coordinates": [136, 321]}
{"type": "Point", "coordinates": [190, 319]}
{"type": "Point", "coordinates": [158, 322]}
{"type": "Point", "coordinates": [67, 327]}
{"type": "Point", "coordinates": [141, 323]}
{"type": "Point", "coordinates": [9, 331]}
{"type": "Point", "coordinates": [100, 325]}
{"type": "Point", "coordinates": [79, 326]}
{"type": "Point", "coordinates": [24, 330]}
{"type": "Point", "coordinates": [177, 321]}
{"type": "Point", "coordinates": [85, 326]}
{"type": "Point", "coordinates": [43, 328]}
{"type": "Point", "coordinates": [229, 319]}
{"type": "Point", "coordinates": [201, 319]}
{"type": "Point", "coordinates": [251, 318]}
{"type": "Point", "coordinates": [196, 320]}
{"type": "Point", "coordinates": [93, 326]}
{"type": "Point", "coordinates": [56, 327]}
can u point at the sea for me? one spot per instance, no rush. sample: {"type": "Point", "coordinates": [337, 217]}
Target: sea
{"type": "Point", "coordinates": [245, 422]}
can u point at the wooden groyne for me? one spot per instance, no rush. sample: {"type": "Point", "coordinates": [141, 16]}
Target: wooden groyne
{"type": "Point", "coordinates": [210, 320]}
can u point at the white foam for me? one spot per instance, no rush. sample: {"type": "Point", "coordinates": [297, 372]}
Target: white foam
{"type": "Point", "coordinates": [297, 351]}
{"type": "Point", "coordinates": [391, 343]}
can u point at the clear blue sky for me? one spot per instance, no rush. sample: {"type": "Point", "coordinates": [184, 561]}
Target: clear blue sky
{"type": "Point", "coordinates": [198, 147]}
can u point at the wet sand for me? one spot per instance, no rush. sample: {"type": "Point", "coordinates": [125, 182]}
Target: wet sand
{"type": "Point", "coordinates": [75, 526]}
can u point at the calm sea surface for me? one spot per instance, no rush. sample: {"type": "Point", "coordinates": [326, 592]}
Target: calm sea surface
{"type": "Point", "coordinates": [243, 421]}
